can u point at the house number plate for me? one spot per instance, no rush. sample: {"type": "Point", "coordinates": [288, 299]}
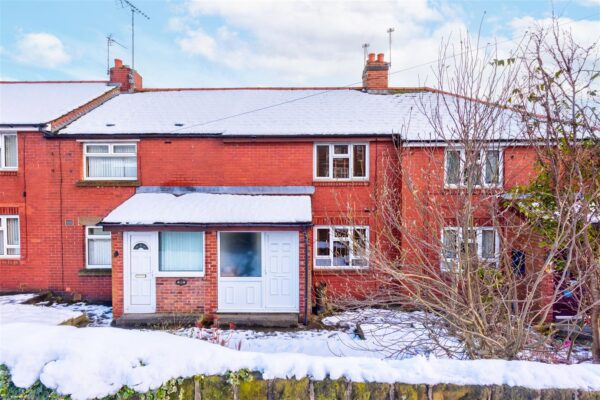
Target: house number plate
{"type": "Point", "coordinates": [181, 282]}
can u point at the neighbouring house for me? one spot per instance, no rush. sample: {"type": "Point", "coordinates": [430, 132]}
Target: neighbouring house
{"type": "Point", "coordinates": [229, 201]}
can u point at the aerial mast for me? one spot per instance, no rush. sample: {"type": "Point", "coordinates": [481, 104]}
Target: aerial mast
{"type": "Point", "coordinates": [134, 10]}
{"type": "Point", "coordinates": [109, 42]}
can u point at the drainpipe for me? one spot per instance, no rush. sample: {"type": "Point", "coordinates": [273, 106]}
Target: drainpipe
{"type": "Point", "coordinates": [305, 276]}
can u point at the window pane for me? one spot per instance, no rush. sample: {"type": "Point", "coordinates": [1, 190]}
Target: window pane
{"type": "Point", "coordinates": [323, 262]}
{"type": "Point", "coordinates": [97, 148]}
{"type": "Point", "coordinates": [469, 243]}
{"type": "Point", "coordinates": [452, 167]}
{"type": "Point", "coordinates": [12, 236]}
{"type": "Point", "coordinates": [99, 252]}
{"type": "Point", "coordinates": [323, 242]}
{"type": "Point", "coordinates": [10, 151]}
{"type": "Point", "coordinates": [341, 254]}
{"type": "Point", "coordinates": [111, 167]}
{"type": "Point", "coordinates": [492, 167]}
{"type": "Point", "coordinates": [359, 262]}
{"type": "Point", "coordinates": [240, 254]}
{"type": "Point", "coordinates": [340, 149]}
{"type": "Point", "coordinates": [450, 243]}
{"type": "Point", "coordinates": [98, 231]}
{"type": "Point", "coordinates": [323, 161]}
{"type": "Point", "coordinates": [124, 148]}
{"type": "Point", "coordinates": [181, 251]}
{"type": "Point", "coordinates": [1, 242]}
{"type": "Point", "coordinates": [488, 244]}
{"type": "Point", "coordinates": [359, 241]}
{"type": "Point", "coordinates": [360, 160]}
{"type": "Point", "coordinates": [341, 168]}
{"type": "Point", "coordinates": [473, 168]}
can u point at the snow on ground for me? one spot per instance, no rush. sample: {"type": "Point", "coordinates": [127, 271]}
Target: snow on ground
{"type": "Point", "coordinates": [94, 362]}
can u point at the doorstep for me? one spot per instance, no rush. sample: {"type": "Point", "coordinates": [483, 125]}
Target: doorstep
{"type": "Point", "coordinates": [155, 320]}
{"type": "Point", "coordinates": [263, 320]}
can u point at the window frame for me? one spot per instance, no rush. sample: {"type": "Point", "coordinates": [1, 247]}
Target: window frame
{"type": "Point", "coordinates": [351, 254]}
{"type": "Point", "coordinates": [4, 228]}
{"type": "Point", "coordinates": [3, 136]}
{"type": "Point", "coordinates": [112, 154]}
{"type": "Point", "coordinates": [88, 237]}
{"type": "Point", "coordinates": [483, 162]}
{"type": "Point", "coordinates": [181, 274]}
{"type": "Point", "coordinates": [444, 262]}
{"type": "Point", "coordinates": [332, 156]}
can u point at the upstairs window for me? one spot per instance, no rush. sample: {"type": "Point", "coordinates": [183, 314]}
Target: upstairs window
{"type": "Point", "coordinates": [10, 243]}
{"type": "Point", "coordinates": [337, 161]}
{"type": "Point", "coordinates": [98, 247]}
{"type": "Point", "coordinates": [341, 246]}
{"type": "Point", "coordinates": [481, 242]}
{"type": "Point", "coordinates": [110, 161]}
{"type": "Point", "coordinates": [8, 151]}
{"type": "Point", "coordinates": [483, 168]}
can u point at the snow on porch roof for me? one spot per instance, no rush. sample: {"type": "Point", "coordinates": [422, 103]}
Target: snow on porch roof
{"type": "Point", "coordinates": [210, 208]}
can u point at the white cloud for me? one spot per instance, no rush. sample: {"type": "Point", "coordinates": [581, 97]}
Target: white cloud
{"type": "Point", "coordinates": [42, 49]}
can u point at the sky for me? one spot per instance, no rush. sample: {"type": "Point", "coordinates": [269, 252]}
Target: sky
{"type": "Point", "coordinates": [208, 43]}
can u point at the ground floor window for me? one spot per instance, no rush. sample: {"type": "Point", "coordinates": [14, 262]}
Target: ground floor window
{"type": "Point", "coordinates": [98, 247]}
{"type": "Point", "coordinates": [10, 244]}
{"type": "Point", "coordinates": [181, 252]}
{"type": "Point", "coordinates": [480, 242]}
{"type": "Point", "coordinates": [240, 254]}
{"type": "Point", "coordinates": [341, 246]}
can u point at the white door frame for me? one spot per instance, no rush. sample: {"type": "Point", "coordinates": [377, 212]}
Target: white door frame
{"type": "Point", "coordinates": [295, 275]}
{"type": "Point", "coordinates": [127, 307]}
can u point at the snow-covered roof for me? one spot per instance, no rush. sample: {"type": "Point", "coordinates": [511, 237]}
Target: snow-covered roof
{"type": "Point", "coordinates": [261, 112]}
{"type": "Point", "coordinates": [208, 208]}
{"type": "Point", "coordinates": [25, 103]}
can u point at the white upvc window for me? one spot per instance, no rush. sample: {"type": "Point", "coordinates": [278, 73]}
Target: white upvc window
{"type": "Point", "coordinates": [482, 242]}
{"type": "Point", "coordinates": [484, 167]}
{"type": "Point", "coordinates": [98, 253]}
{"type": "Point", "coordinates": [8, 152]}
{"type": "Point", "coordinates": [341, 247]}
{"type": "Point", "coordinates": [110, 161]}
{"type": "Point", "coordinates": [10, 242]}
{"type": "Point", "coordinates": [341, 161]}
{"type": "Point", "coordinates": [181, 254]}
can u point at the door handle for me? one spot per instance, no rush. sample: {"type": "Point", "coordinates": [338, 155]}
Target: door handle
{"type": "Point", "coordinates": [140, 275]}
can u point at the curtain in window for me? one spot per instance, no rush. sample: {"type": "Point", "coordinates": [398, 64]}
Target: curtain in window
{"type": "Point", "coordinates": [99, 252]}
{"type": "Point", "coordinates": [10, 151]}
{"type": "Point", "coordinates": [240, 254]}
{"type": "Point", "coordinates": [181, 251]}
{"type": "Point", "coordinates": [112, 167]}
{"type": "Point", "coordinates": [488, 244]}
{"type": "Point", "coordinates": [453, 167]}
{"type": "Point", "coordinates": [359, 164]}
{"type": "Point", "coordinates": [492, 167]}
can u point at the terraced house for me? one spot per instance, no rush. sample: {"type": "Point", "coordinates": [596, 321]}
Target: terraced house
{"type": "Point", "coordinates": [217, 201]}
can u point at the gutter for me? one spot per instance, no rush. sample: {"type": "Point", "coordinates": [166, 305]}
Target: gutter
{"type": "Point", "coordinates": [133, 227]}
{"type": "Point", "coordinates": [306, 276]}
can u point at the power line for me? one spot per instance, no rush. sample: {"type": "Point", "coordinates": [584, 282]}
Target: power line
{"type": "Point", "coordinates": [360, 82]}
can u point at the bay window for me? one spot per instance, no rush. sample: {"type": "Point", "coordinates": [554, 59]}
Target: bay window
{"type": "Point", "coordinates": [97, 247]}
{"type": "Point", "coordinates": [110, 161]}
{"type": "Point", "coordinates": [341, 246]}
{"type": "Point", "coordinates": [10, 243]}
{"type": "Point", "coordinates": [341, 161]}
{"type": "Point", "coordinates": [481, 168]}
{"type": "Point", "coordinates": [480, 242]}
{"type": "Point", "coordinates": [181, 253]}
{"type": "Point", "coordinates": [8, 151]}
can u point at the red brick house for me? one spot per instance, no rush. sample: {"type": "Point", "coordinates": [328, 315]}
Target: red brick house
{"type": "Point", "coordinates": [184, 201]}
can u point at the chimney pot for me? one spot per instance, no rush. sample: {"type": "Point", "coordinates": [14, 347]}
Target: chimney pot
{"type": "Point", "coordinates": [371, 57]}
{"type": "Point", "coordinates": [118, 63]}
{"type": "Point", "coordinates": [128, 79]}
{"type": "Point", "coordinates": [380, 57]}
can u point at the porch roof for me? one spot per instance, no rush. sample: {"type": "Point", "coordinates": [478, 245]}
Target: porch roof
{"type": "Point", "coordinates": [210, 209]}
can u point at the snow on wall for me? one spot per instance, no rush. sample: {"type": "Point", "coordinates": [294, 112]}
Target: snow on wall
{"type": "Point", "coordinates": [205, 208]}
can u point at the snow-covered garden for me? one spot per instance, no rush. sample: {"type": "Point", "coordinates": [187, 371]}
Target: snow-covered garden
{"type": "Point", "coordinates": [98, 360]}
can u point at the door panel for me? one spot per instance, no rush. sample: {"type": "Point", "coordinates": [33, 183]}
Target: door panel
{"type": "Point", "coordinates": [282, 280]}
{"type": "Point", "coordinates": [139, 277]}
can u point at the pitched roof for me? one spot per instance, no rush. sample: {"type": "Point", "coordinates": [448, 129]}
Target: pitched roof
{"type": "Point", "coordinates": [35, 103]}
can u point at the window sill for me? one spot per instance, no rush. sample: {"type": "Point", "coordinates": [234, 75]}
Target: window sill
{"type": "Point", "coordinates": [337, 270]}
{"type": "Point", "coordinates": [95, 272]}
{"type": "Point", "coordinates": [8, 172]}
{"type": "Point", "coordinates": [107, 183]}
{"type": "Point", "coordinates": [341, 183]}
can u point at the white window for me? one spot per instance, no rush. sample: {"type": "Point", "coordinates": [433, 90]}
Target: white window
{"type": "Point", "coordinates": [110, 161]}
{"type": "Point", "coordinates": [181, 253]}
{"type": "Point", "coordinates": [481, 242]}
{"type": "Point", "coordinates": [97, 248]}
{"type": "Point", "coordinates": [10, 243]}
{"type": "Point", "coordinates": [8, 151]}
{"type": "Point", "coordinates": [341, 246]}
{"type": "Point", "coordinates": [483, 168]}
{"type": "Point", "coordinates": [339, 161]}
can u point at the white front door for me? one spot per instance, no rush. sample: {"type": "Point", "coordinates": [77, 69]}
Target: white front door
{"type": "Point", "coordinates": [139, 279]}
{"type": "Point", "coordinates": [258, 272]}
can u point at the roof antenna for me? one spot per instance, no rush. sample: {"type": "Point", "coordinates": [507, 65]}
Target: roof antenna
{"type": "Point", "coordinates": [109, 42]}
{"type": "Point", "coordinates": [390, 31]}
{"type": "Point", "coordinates": [365, 47]}
{"type": "Point", "coordinates": [134, 10]}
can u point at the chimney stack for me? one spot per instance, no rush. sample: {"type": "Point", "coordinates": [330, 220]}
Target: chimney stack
{"type": "Point", "coordinates": [128, 79]}
{"type": "Point", "coordinates": [375, 74]}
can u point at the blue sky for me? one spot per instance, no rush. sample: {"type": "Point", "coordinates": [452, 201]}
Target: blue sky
{"type": "Point", "coordinates": [259, 43]}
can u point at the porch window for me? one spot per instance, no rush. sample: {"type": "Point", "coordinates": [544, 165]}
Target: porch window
{"type": "Point", "coordinates": [110, 161]}
{"type": "Point", "coordinates": [341, 161]}
{"type": "Point", "coordinates": [181, 252]}
{"type": "Point", "coordinates": [341, 246]}
{"type": "Point", "coordinates": [240, 254]}
{"type": "Point", "coordinates": [480, 242]}
{"type": "Point", "coordinates": [8, 151]}
{"type": "Point", "coordinates": [10, 244]}
{"type": "Point", "coordinates": [481, 168]}
{"type": "Point", "coordinates": [98, 247]}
